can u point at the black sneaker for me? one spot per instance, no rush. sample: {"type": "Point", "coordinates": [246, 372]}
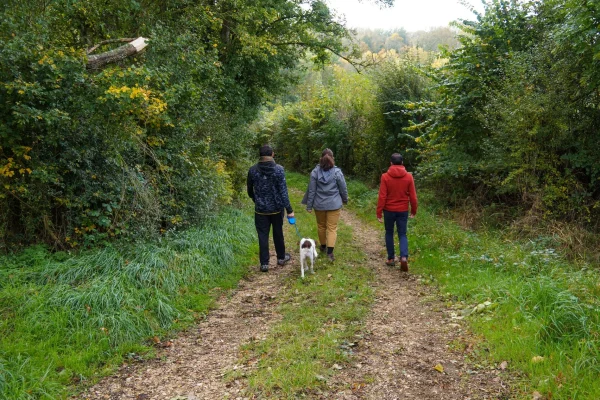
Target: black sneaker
{"type": "Point", "coordinates": [323, 248]}
{"type": "Point", "coordinates": [285, 259]}
{"type": "Point", "coordinates": [264, 268]}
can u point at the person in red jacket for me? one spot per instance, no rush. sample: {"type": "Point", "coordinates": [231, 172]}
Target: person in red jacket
{"type": "Point", "coordinates": [396, 192]}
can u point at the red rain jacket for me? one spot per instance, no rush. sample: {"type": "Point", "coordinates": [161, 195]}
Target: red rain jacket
{"type": "Point", "coordinates": [396, 191]}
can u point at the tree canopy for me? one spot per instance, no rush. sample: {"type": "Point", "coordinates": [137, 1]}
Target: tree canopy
{"type": "Point", "coordinates": [151, 142]}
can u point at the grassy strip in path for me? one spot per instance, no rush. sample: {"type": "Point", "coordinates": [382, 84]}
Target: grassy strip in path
{"type": "Point", "coordinates": [543, 315]}
{"type": "Point", "coordinates": [64, 319]}
{"type": "Point", "coordinates": [322, 315]}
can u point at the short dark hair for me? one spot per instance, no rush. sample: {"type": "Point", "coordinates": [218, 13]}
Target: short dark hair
{"type": "Point", "coordinates": [266, 151]}
{"type": "Point", "coordinates": [397, 159]}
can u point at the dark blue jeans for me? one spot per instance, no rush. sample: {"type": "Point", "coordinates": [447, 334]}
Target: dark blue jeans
{"type": "Point", "coordinates": [400, 219]}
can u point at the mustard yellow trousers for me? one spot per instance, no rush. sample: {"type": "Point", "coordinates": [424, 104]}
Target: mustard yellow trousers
{"type": "Point", "coordinates": [327, 222]}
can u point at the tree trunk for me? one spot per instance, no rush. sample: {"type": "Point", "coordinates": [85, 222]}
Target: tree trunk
{"type": "Point", "coordinates": [120, 53]}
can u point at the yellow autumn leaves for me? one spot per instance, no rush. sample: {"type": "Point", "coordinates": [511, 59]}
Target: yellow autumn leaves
{"type": "Point", "coordinates": [133, 92]}
{"type": "Point", "coordinates": [10, 166]}
{"type": "Point", "coordinates": [144, 104]}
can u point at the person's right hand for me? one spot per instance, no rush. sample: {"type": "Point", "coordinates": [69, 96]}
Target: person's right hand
{"type": "Point", "coordinates": [309, 211]}
{"type": "Point", "coordinates": [411, 216]}
{"type": "Point", "coordinates": [380, 220]}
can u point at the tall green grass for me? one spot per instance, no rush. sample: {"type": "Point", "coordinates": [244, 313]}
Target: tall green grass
{"type": "Point", "coordinates": [64, 319]}
{"type": "Point", "coordinates": [545, 313]}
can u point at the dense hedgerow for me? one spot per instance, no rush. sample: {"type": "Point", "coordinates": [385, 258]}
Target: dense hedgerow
{"type": "Point", "coordinates": [151, 143]}
{"type": "Point", "coordinates": [517, 118]}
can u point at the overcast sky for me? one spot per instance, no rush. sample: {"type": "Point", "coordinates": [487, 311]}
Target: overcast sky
{"type": "Point", "coordinates": [413, 15]}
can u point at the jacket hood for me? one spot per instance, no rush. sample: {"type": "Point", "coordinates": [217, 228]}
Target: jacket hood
{"type": "Point", "coordinates": [267, 166]}
{"type": "Point", "coordinates": [324, 176]}
{"type": "Point", "coordinates": [397, 171]}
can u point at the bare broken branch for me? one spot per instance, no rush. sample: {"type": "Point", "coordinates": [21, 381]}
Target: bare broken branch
{"type": "Point", "coordinates": [98, 61]}
{"type": "Point", "coordinates": [108, 41]}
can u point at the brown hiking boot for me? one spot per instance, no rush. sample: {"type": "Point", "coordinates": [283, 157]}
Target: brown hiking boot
{"type": "Point", "coordinates": [390, 262]}
{"type": "Point", "coordinates": [403, 264]}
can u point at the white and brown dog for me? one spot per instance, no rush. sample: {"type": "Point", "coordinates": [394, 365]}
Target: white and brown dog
{"type": "Point", "coordinates": [308, 250]}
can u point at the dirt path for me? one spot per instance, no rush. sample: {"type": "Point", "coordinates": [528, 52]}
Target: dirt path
{"type": "Point", "coordinates": [407, 334]}
{"type": "Point", "coordinates": [192, 367]}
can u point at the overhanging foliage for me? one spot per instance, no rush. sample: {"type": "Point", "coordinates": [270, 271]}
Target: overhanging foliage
{"type": "Point", "coordinates": [148, 143]}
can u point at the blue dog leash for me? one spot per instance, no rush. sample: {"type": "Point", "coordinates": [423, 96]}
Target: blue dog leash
{"type": "Point", "coordinates": [292, 222]}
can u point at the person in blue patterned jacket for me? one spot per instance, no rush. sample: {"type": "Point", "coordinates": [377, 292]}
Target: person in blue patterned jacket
{"type": "Point", "coordinates": [267, 188]}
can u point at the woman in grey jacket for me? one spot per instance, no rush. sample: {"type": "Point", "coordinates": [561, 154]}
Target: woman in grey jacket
{"type": "Point", "coordinates": [326, 193]}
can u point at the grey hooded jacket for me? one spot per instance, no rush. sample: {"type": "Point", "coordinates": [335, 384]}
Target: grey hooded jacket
{"type": "Point", "coordinates": [326, 190]}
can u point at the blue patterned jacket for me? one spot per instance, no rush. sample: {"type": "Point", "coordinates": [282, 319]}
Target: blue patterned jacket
{"type": "Point", "coordinates": [267, 187]}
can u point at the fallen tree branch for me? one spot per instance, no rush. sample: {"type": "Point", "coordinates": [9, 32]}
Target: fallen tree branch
{"type": "Point", "coordinates": [98, 61]}
{"type": "Point", "coordinates": [102, 43]}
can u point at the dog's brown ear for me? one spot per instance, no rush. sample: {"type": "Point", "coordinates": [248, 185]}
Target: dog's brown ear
{"type": "Point", "coordinates": [306, 245]}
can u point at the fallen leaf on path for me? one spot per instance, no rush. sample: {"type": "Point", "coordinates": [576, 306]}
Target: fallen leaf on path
{"type": "Point", "coordinates": [337, 366]}
{"type": "Point", "coordinates": [537, 359]}
{"type": "Point", "coordinates": [156, 340]}
{"type": "Point", "coordinates": [503, 365]}
{"type": "Point", "coordinates": [439, 368]}
{"type": "Point", "coordinates": [356, 386]}
{"type": "Point", "coordinates": [537, 396]}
